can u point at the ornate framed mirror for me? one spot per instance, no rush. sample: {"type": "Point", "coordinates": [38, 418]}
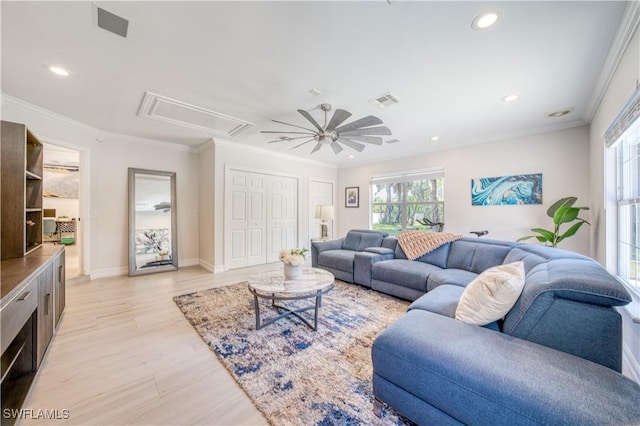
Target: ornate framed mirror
{"type": "Point", "coordinates": [153, 242]}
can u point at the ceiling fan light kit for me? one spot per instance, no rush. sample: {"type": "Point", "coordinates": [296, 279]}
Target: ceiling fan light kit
{"type": "Point", "coordinates": [354, 135]}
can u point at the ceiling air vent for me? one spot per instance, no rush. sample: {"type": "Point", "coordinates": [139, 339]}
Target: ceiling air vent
{"type": "Point", "coordinates": [384, 100]}
{"type": "Point", "coordinates": [183, 114]}
{"type": "Point", "coordinates": [110, 22]}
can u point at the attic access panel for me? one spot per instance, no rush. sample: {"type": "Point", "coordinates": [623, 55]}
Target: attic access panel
{"type": "Point", "coordinates": [183, 114]}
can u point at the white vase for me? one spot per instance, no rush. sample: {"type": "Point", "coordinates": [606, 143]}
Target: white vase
{"type": "Point", "coordinates": [292, 272]}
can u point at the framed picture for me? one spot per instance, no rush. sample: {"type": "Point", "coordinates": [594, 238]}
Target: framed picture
{"type": "Point", "coordinates": [352, 196]}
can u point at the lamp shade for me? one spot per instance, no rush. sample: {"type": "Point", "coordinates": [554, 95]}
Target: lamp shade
{"type": "Point", "coordinates": [324, 212]}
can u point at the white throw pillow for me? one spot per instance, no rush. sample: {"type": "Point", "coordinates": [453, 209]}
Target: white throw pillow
{"type": "Point", "coordinates": [491, 294]}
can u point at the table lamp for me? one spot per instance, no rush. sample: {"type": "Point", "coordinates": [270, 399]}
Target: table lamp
{"type": "Point", "coordinates": [324, 213]}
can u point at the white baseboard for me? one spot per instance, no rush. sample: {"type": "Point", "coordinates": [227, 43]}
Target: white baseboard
{"type": "Point", "coordinates": [219, 269]}
{"type": "Point", "coordinates": [188, 262]}
{"type": "Point", "coordinates": [206, 265]}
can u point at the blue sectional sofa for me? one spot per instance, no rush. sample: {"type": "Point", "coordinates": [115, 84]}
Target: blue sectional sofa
{"type": "Point", "coordinates": [555, 358]}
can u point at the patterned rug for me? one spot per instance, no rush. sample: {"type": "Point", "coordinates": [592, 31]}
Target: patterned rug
{"type": "Point", "coordinates": [294, 375]}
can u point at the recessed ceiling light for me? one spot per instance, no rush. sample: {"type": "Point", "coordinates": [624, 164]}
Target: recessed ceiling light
{"type": "Point", "coordinates": [434, 138]}
{"type": "Point", "coordinates": [59, 71]}
{"type": "Point", "coordinates": [486, 19]}
{"type": "Point", "coordinates": [561, 113]}
{"type": "Point", "coordinates": [510, 98]}
{"type": "Point", "coordinates": [352, 156]}
{"type": "Point", "coordinates": [315, 92]}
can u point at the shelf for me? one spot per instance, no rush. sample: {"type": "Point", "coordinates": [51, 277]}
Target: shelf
{"type": "Point", "coordinates": [14, 392]}
{"type": "Point", "coordinates": [32, 209]}
{"type": "Point", "coordinates": [32, 176]}
{"type": "Point", "coordinates": [10, 356]}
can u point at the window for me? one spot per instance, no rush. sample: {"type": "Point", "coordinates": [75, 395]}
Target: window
{"type": "Point", "coordinates": [624, 136]}
{"type": "Point", "coordinates": [628, 199]}
{"type": "Point", "coordinates": [401, 202]}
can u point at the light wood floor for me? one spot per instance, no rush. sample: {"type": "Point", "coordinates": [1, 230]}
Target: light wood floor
{"type": "Point", "coordinates": [124, 354]}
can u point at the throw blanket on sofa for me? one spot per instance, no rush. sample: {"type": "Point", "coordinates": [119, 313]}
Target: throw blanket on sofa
{"type": "Point", "coordinates": [418, 243]}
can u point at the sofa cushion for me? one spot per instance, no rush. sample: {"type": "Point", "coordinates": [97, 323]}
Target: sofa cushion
{"type": "Point", "coordinates": [458, 277]}
{"type": "Point", "coordinates": [337, 259]}
{"type": "Point", "coordinates": [476, 254]}
{"type": "Point", "coordinates": [491, 295]}
{"type": "Point", "coordinates": [442, 300]}
{"type": "Point", "coordinates": [358, 240]}
{"type": "Point", "coordinates": [407, 273]}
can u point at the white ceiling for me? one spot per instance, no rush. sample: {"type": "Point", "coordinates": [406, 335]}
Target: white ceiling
{"type": "Point", "coordinates": [257, 61]}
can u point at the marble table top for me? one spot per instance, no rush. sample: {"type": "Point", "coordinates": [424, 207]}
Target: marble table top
{"type": "Point", "coordinates": [311, 280]}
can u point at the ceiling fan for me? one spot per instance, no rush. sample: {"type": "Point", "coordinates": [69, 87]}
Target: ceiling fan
{"type": "Point", "coordinates": [354, 134]}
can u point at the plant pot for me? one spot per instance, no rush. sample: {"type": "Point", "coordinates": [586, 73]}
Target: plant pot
{"type": "Point", "coordinates": [292, 272]}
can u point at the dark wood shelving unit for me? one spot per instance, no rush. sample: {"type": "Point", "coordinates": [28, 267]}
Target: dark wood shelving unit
{"type": "Point", "coordinates": [21, 194]}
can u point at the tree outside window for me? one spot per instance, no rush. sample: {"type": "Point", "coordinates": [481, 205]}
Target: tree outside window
{"type": "Point", "coordinates": [399, 204]}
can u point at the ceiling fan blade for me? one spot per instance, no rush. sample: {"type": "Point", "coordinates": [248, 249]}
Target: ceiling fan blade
{"type": "Point", "coordinates": [336, 147]}
{"type": "Point", "coordinates": [288, 139]}
{"type": "Point", "coordinates": [294, 125]}
{"type": "Point", "coordinates": [381, 130]}
{"type": "Point", "coordinates": [338, 118]}
{"type": "Point", "coordinates": [285, 131]}
{"type": "Point", "coordinates": [298, 146]}
{"type": "Point", "coordinates": [351, 144]}
{"type": "Point", "coordinates": [317, 147]}
{"type": "Point", "coordinates": [308, 116]}
{"type": "Point", "coordinates": [377, 140]}
{"type": "Point", "coordinates": [367, 121]}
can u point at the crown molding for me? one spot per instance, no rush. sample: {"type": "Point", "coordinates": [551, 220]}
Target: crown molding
{"type": "Point", "coordinates": [235, 145]}
{"type": "Point", "coordinates": [626, 30]}
{"type": "Point", "coordinates": [11, 100]}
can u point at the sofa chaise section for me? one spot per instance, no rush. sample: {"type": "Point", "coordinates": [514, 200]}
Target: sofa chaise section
{"type": "Point", "coordinates": [436, 370]}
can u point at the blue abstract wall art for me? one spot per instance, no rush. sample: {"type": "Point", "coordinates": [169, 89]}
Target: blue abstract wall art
{"type": "Point", "coordinates": [507, 190]}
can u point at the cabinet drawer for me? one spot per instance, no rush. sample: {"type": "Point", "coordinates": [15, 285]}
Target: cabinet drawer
{"type": "Point", "coordinates": [17, 312]}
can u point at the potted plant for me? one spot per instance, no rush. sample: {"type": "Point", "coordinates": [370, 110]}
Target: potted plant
{"type": "Point", "coordinates": [562, 211]}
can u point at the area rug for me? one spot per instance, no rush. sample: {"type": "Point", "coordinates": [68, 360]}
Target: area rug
{"type": "Point", "coordinates": [295, 375]}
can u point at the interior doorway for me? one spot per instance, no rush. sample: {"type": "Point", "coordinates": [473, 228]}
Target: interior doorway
{"type": "Point", "coordinates": [61, 204]}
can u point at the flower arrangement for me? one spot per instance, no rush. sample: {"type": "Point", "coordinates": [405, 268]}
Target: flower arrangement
{"type": "Point", "coordinates": [295, 256]}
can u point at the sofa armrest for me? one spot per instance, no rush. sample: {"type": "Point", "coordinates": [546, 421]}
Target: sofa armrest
{"type": "Point", "coordinates": [318, 247]}
{"type": "Point", "coordinates": [480, 376]}
{"type": "Point", "coordinates": [362, 262]}
{"type": "Point", "coordinates": [380, 250]}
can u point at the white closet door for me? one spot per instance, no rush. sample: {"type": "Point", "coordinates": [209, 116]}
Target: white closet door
{"type": "Point", "coordinates": [282, 217]}
{"type": "Point", "coordinates": [238, 219]}
{"type": "Point", "coordinates": [290, 212]}
{"type": "Point", "coordinates": [320, 193]}
{"type": "Point", "coordinates": [262, 217]}
{"type": "Point", "coordinates": [257, 224]}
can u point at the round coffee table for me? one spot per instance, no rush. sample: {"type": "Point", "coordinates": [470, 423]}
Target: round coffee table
{"type": "Point", "coordinates": [273, 286]}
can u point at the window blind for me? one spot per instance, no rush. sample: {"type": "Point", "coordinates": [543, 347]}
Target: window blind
{"type": "Point", "coordinates": [409, 175]}
{"type": "Point", "coordinates": [625, 118]}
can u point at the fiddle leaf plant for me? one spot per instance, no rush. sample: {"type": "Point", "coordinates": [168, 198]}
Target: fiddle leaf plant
{"type": "Point", "coordinates": [562, 212]}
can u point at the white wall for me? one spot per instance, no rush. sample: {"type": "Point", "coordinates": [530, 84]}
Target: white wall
{"type": "Point", "coordinates": [234, 155]}
{"type": "Point", "coordinates": [69, 207]}
{"type": "Point", "coordinates": [603, 192]}
{"type": "Point", "coordinates": [107, 221]}
{"type": "Point", "coordinates": [561, 156]}
{"type": "Point", "coordinates": [206, 211]}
